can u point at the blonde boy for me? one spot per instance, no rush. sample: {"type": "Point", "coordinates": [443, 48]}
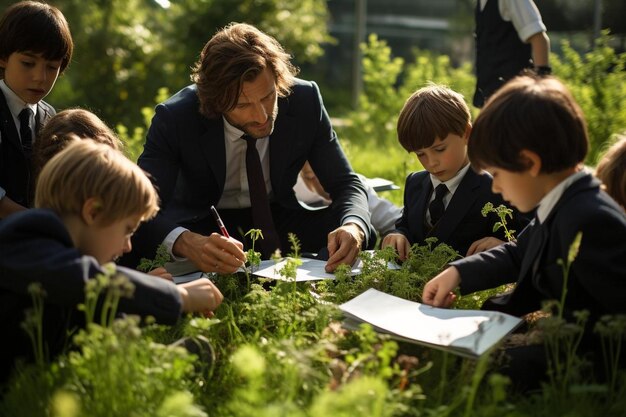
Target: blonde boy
{"type": "Point", "coordinates": [90, 199]}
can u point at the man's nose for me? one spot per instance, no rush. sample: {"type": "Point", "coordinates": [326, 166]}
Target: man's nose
{"type": "Point", "coordinates": [259, 115]}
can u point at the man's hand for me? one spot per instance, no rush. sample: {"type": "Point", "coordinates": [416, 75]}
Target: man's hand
{"type": "Point", "coordinates": [344, 245]}
{"type": "Point", "coordinates": [399, 242]}
{"type": "Point", "coordinates": [214, 253]}
{"type": "Point", "coordinates": [438, 291]}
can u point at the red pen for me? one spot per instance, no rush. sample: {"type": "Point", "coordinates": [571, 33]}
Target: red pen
{"type": "Point", "coordinates": [219, 222]}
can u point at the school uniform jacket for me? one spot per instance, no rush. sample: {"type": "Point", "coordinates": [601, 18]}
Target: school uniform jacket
{"type": "Point", "coordinates": [462, 222]}
{"type": "Point", "coordinates": [15, 167]}
{"type": "Point", "coordinates": [35, 246]}
{"type": "Point", "coordinates": [597, 278]}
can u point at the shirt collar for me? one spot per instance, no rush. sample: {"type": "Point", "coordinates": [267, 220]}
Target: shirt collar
{"type": "Point", "coordinates": [15, 103]}
{"type": "Point", "coordinates": [232, 133]}
{"type": "Point", "coordinates": [452, 183]}
{"type": "Point", "coordinates": [547, 203]}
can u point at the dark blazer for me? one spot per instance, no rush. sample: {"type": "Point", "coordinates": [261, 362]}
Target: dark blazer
{"type": "Point", "coordinates": [597, 278]}
{"type": "Point", "coordinates": [15, 166]}
{"type": "Point", "coordinates": [35, 246]}
{"type": "Point", "coordinates": [462, 222]}
{"type": "Point", "coordinates": [185, 155]}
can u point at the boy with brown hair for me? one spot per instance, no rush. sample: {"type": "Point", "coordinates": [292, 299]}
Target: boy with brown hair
{"type": "Point", "coordinates": [532, 137]}
{"type": "Point", "coordinates": [445, 200]}
{"type": "Point", "coordinates": [90, 199]}
{"type": "Point", "coordinates": [35, 47]}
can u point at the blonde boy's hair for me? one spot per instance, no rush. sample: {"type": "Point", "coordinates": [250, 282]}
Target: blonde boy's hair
{"type": "Point", "coordinates": [86, 169]}
{"type": "Point", "coordinates": [432, 112]}
{"type": "Point", "coordinates": [611, 170]}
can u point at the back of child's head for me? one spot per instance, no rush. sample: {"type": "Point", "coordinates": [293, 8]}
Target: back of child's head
{"type": "Point", "coordinates": [86, 169]}
{"type": "Point", "coordinates": [431, 113]}
{"type": "Point", "coordinates": [536, 114]}
{"type": "Point", "coordinates": [57, 132]}
{"type": "Point", "coordinates": [31, 26]}
{"type": "Point", "coordinates": [611, 170]}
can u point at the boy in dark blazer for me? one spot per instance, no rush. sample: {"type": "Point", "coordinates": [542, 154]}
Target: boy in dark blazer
{"type": "Point", "coordinates": [435, 124]}
{"type": "Point", "coordinates": [89, 199]}
{"type": "Point", "coordinates": [532, 137]}
{"type": "Point", "coordinates": [35, 47]}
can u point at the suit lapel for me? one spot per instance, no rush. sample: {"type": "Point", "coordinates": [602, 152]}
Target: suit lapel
{"type": "Point", "coordinates": [461, 202]}
{"type": "Point", "coordinates": [212, 144]}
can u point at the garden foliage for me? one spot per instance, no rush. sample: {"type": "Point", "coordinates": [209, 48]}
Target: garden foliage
{"type": "Point", "coordinates": [280, 351]}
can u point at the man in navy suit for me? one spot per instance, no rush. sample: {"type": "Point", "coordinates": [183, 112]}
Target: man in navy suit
{"type": "Point", "coordinates": [197, 152]}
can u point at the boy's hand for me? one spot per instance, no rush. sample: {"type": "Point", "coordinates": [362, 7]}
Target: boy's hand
{"type": "Point", "coordinates": [162, 273]}
{"type": "Point", "coordinates": [214, 253]}
{"type": "Point", "coordinates": [484, 244]}
{"type": "Point", "coordinates": [200, 296]}
{"type": "Point", "coordinates": [438, 291]}
{"type": "Point", "coordinates": [399, 242]}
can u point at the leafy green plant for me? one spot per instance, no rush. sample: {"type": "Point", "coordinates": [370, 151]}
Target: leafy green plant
{"type": "Point", "coordinates": [33, 323]}
{"type": "Point", "coordinates": [562, 338]}
{"type": "Point", "coordinates": [502, 212]}
{"type": "Point", "coordinates": [160, 259]}
{"type": "Point", "coordinates": [423, 263]}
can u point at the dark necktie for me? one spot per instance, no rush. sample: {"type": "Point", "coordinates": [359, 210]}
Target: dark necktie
{"type": "Point", "coordinates": [436, 207]}
{"type": "Point", "coordinates": [261, 213]}
{"type": "Point", "coordinates": [26, 134]}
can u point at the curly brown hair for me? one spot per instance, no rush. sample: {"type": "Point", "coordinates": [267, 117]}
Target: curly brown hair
{"type": "Point", "coordinates": [236, 54]}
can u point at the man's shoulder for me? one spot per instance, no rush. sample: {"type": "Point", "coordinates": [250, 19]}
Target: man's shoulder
{"type": "Point", "coordinates": [303, 88]}
{"type": "Point", "coordinates": [183, 100]}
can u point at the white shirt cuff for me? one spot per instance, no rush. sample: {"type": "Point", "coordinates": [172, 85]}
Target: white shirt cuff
{"type": "Point", "coordinates": [170, 239]}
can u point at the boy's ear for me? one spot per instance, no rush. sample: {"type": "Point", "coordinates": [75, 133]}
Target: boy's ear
{"type": "Point", "coordinates": [532, 161]}
{"type": "Point", "coordinates": [91, 210]}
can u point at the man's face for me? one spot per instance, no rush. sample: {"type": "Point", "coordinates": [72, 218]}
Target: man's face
{"type": "Point", "coordinates": [256, 108]}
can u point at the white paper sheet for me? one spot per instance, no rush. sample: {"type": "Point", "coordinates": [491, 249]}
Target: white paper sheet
{"type": "Point", "coordinates": [465, 332]}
